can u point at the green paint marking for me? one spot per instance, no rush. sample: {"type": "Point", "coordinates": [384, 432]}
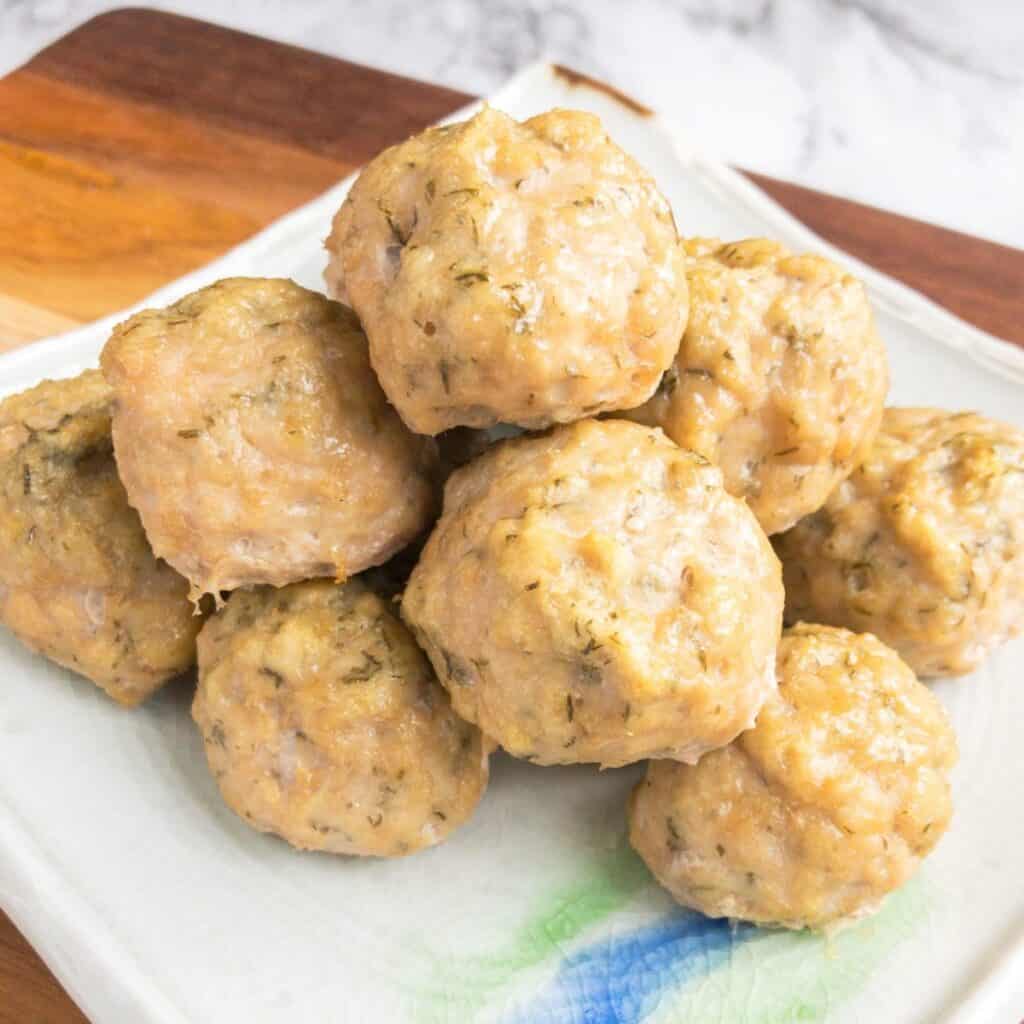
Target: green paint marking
{"type": "Point", "coordinates": [776, 977]}
{"type": "Point", "coordinates": [797, 977]}
{"type": "Point", "coordinates": [455, 992]}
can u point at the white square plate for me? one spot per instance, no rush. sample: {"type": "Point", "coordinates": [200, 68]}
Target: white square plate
{"type": "Point", "coordinates": [153, 903]}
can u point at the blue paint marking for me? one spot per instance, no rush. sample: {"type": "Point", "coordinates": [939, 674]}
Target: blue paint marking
{"type": "Point", "coordinates": [620, 980]}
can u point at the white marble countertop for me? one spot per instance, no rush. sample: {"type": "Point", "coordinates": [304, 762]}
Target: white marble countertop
{"type": "Point", "coordinates": [912, 105]}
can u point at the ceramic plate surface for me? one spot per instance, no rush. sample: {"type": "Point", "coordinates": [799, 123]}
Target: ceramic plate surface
{"type": "Point", "coordinates": [153, 903]}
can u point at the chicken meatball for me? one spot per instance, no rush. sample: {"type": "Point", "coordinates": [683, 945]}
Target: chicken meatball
{"type": "Point", "coordinates": [254, 440]}
{"type": "Point", "coordinates": [780, 378]}
{"type": "Point", "coordinates": [78, 581]}
{"type": "Point", "coordinates": [923, 545]}
{"type": "Point", "coordinates": [829, 803]}
{"type": "Point", "coordinates": [594, 594]}
{"type": "Point", "coordinates": [521, 273]}
{"type": "Point", "coordinates": [324, 724]}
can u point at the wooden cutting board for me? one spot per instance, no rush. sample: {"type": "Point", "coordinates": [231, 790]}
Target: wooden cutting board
{"type": "Point", "coordinates": [144, 145]}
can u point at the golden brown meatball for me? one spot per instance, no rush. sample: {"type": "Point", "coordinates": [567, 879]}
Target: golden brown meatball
{"type": "Point", "coordinates": [504, 272]}
{"type": "Point", "coordinates": [78, 581]}
{"type": "Point", "coordinates": [829, 803]}
{"type": "Point", "coordinates": [254, 440]}
{"type": "Point", "coordinates": [324, 724]}
{"type": "Point", "coordinates": [595, 595]}
{"type": "Point", "coordinates": [780, 378]}
{"type": "Point", "coordinates": [923, 545]}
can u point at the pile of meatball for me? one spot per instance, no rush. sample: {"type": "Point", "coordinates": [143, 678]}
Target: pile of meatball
{"type": "Point", "coordinates": [550, 480]}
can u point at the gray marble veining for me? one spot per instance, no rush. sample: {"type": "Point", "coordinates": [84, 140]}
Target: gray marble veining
{"type": "Point", "coordinates": [915, 105]}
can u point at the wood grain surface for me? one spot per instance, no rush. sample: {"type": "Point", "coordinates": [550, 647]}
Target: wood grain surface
{"type": "Point", "coordinates": [145, 144]}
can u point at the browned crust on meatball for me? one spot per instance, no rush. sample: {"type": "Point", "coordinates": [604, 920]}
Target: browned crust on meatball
{"type": "Point", "coordinates": [78, 581]}
{"type": "Point", "coordinates": [504, 272]}
{"type": "Point", "coordinates": [594, 594]}
{"type": "Point", "coordinates": [829, 803]}
{"type": "Point", "coordinates": [324, 724]}
{"type": "Point", "coordinates": [923, 545]}
{"type": "Point", "coordinates": [254, 440]}
{"type": "Point", "coordinates": [780, 378]}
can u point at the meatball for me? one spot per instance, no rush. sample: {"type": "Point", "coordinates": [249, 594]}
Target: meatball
{"type": "Point", "coordinates": [324, 724]}
{"type": "Point", "coordinates": [594, 594]}
{"type": "Point", "coordinates": [923, 545]}
{"type": "Point", "coordinates": [780, 378]}
{"type": "Point", "coordinates": [521, 273]}
{"type": "Point", "coordinates": [829, 803]}
{"type": "Point", "coordinates": [254, 440]}
{"type": "Point", "coordinates": [78, 581]}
